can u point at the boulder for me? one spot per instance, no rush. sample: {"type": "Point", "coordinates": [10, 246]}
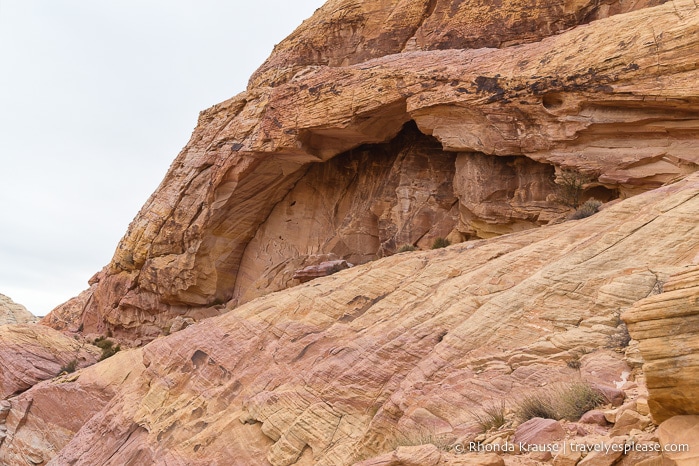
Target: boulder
{"type": "Point", "coordinates": [679, 437]}
{"type": "Point", "coordinates": [539, 432]}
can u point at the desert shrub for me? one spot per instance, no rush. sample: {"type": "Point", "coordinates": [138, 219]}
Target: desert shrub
{"type": "Point", "coordinates": [440, 243]}
{"type": "Point", "coordinates": [537, 405]}
{"type": "Point", "coordinates": [407, 248]}
{"type": "Point", "coordinates": [70, 367]}
{"type": "Point", "coordinates": [570, 187]}
{"type": "Point", "coordinates": [107, 346]}
{"type": "Point", "coordinates": [491, 417]}
{"type": "Point", "coordinates": [577, 399]}
{"type": "Point", "coordinates": [569, 401]}
{"type": "Point", "coordinates": [574, 363]}
{"type": "Point", "coordinates": [589, 207]}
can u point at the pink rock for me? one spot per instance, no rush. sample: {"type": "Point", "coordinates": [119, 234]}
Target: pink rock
{"type": "Point", "coordinates": [612, 395]}
{"type": "Point", "coordinates": [539, 431]}
{"type": "Point", "coordinates": [594, 417]}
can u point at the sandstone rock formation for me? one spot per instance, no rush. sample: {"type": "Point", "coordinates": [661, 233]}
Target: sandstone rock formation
{"type": "Point", "coordinates": [665, 326]}
{"type": "Point", "coordinates": [31, 353]}
{"type": "Point", "coordinates": [13, 313]}
{"type": "Point", "coordinates": [346, 367]}
{"type": "Point", "coordinates": [50, 414]}
{"type": "Point", "coordinates": [467, 141]}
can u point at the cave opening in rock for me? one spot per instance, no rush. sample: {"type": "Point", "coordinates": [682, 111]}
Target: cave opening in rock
{"type": "Point", "coordinates": [358, 206]}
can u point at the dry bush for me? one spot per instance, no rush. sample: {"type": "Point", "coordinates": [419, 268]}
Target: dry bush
{"type": "Point", "coordinates": [491, 417]}
{"type": "Point", "coordinates": [589, 207]}
{"type": "Point", "coordinates": [568, 401]}
{"type": "Point", "coordinates": [440, 243]}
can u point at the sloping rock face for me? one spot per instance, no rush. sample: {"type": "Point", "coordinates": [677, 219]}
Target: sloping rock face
{"type": "Point", "coordinates": [31, 353]}
{"type": "Point", "coordinates": [615, 99]}
{"type": "Point", "coordinates": [665, 325]}
{"type": "Point", "coordinates": [13, 313]}
{"type": "Point", "coordinates": [336, 370]}
{"type": "Point", "coordinates": [50, 414]}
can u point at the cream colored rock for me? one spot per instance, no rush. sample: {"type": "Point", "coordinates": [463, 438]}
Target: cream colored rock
{"type": "Point", "coordinates": [601, 458]}
{"type": "Point", "coordinates": [567, 457]}
{"type": "Point", "coordinates": [13, 313]}
{"type": "Point", "coordinates": [679, 437]}
{"type": "Point", "coordinates": [628, 421]}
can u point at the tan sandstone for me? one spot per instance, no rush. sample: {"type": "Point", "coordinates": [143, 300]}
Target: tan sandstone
{"type": "Point", "coordinates": [614, 98]}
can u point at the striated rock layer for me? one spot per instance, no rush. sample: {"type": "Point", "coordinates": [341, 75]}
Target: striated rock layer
{"type": "Point", "coordinates": [13, 313]}
{"type": "Point", "coordinates": [346, 367]}
{"type": "Point", "coordinates": [666, 326]}
{"type": "Point", "coordinates": [32, 353]}
{"type": "Point", "coordinates": [321, 156]}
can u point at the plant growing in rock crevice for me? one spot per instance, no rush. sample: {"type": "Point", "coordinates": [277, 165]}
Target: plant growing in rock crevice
{"type": "Point", "coordinates": [491, 417]}
{"type": "Point", "coordinates": [569, 401]}
{"type": "Point", "coordinates": [570, 185]}
{"type": "Point", "coordinates": [588, 208]}
{"type": "Point", "coordinates": [107, 346]}
{"type": "Point", "coordinates": [440, 243]}
{"type": "Point", "coordinates": [69, 368]}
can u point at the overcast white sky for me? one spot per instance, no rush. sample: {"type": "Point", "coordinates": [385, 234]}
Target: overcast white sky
{"type": "Point", "coordinates": [97, 97]}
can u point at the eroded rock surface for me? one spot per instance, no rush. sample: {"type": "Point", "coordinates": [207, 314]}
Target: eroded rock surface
{"type": "Point", "coordinates": [614, 98]}
{"type": "Point", "coordinates": [31, 353]}
{"type": "Point", "coordinates": [13, 313]}
{"type": "Point", "coordinates": [342, 368]}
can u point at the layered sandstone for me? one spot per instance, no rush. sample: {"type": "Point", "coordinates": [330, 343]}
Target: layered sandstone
{"type": "Point", "coordinates": [284, 172]}
{"type": "Point", "coordinates": [665, 324]}
{"type": "Point", "coordinates": [31, 353]}
{"type": "Point", "coordinates": [347, 367]}
{"type": "Point", "coordinates": [13, 313]}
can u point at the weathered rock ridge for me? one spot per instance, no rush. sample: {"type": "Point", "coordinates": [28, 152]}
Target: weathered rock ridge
{"type": "Point", "coordinates": [13, 313]}
{"type": "Point", "coordinates": [615, 98]}
{"type": "Point", "coordinates": [346, 367]}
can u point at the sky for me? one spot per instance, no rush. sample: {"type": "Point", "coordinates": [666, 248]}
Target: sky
{"type": "Point", "coordinates": [96, 100]}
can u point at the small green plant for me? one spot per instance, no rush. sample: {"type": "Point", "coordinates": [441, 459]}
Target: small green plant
{"type": "Point", "coordinates": [569, 401]}
{"type": "Point", "coordinates": [407, 248]}
{"type": "Point", "coordinates": [69, 368]}
{"type": "Point", "coordinates": [589, 207]}
{"type": "Point", "coordinates": [440, 243]}
{"type": "Point", "coordinates": [107, 347]}
{"type": "Point", "coordinates": [492, 417]}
